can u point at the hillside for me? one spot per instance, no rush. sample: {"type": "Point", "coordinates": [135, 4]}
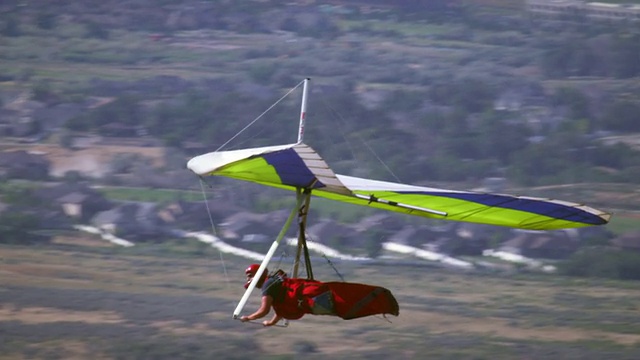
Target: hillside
{"type": "Point", "coordinates": [175, 301]}
{"type": "Point", "coordinates": [461, 93]}
{"type": "Point", "coordinates": [447, 81]}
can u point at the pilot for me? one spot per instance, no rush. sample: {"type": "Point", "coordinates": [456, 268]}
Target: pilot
{"type": "Point", "coordinates": [292, 298]}
{"type": "Point", "coordinates": [272, 290]}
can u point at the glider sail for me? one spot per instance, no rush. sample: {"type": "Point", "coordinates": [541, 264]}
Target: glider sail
{"type": "Point", "coordinates": [298, 166]}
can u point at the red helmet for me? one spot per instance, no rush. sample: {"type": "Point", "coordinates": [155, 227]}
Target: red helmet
{"type": "Point", "coordinates": [251, 272]}
{"type": "Point", "coordinates": [252, 269]}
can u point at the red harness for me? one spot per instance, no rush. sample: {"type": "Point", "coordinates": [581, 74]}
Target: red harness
{"type": "Point", "coordinates": [298, 298]}
{"type": "Point", "coordinates": [345, 300]}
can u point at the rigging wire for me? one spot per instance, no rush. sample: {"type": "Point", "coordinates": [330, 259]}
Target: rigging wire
{"type": "Point", "coordinates": [328, 260]}
{"type": "Point", "coordinates": [338, 116]}
{"type": "Point", "coordinates": [224, 267]}
{"type": "Point", "coordinates": [334, 268]}
{"type": "Point", "coordinates": [379, 159]}
{"type": "Point", "coordinates": [283, 255]}
{"type": "Point", "coordinates": [334, 114]}
{"type": "Point", "coordinates": [215, 233]}
{"type": "Point", "coordinates": [259, 116]}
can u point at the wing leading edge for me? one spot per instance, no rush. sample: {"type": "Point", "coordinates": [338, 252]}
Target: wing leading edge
{"type": "Point", "coordinates": [299, 166]}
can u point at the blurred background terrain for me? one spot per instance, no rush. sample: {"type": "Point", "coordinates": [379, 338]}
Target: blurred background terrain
{"type": "Point", "coordinates": [103, 102]}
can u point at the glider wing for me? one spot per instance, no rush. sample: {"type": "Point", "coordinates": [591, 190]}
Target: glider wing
{"type": "Point", "coordinates": [299, 166]}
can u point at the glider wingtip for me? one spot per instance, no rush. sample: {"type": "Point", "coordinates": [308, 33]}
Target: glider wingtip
{"type": "Point", "coordinates": [606, 218]}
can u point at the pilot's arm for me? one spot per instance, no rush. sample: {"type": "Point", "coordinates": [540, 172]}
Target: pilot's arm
{"type": "Point", "coordinates": [265, 306]}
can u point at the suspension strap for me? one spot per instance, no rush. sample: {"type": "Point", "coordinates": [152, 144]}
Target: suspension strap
{"type": "Point", "coordinates": [302, 225]}
{"type": "Point", "coordinates": [282, 256]}
{"type": "Point", "coordinates": [333, 267]}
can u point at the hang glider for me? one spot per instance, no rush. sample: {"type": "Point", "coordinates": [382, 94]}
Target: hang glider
{"type": "Point", "coordinates": [299, 168]}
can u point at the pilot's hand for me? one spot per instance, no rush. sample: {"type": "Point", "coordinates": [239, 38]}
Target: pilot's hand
{"type": "Point", "coordinates": [244, 318]}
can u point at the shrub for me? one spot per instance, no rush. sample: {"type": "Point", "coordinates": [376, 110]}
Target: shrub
{"type": "Point", "coordinates": [97, 31]}
{"type": "Point", "coordinates": [46, 21]}
{"type": "Point", "coordinates": [594, 262]}
{"type": "Point", "coordinates": [10, 28]}
{"type": "Point", "coordinates": [16, 227]}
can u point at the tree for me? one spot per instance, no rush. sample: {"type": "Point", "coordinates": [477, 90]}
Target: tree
{"type": "Point", "coordinates": [11, 27]}
{"type": "Point", "coordinates": [603, 262]}
{"type": "Point", "coordinates": [95, 30]}
{"type": "Point", "coordinates": [78, 123]}
{"type": "Point", "coordinates": [474, 95]}
{"type": "Point", "coordinates": [626, 55]}
{"type": "Point", "coordinates": [574, 99]}
{"type": "Point", "coordinates": [622, 115]}
{"type": "Point", "coordinates": [46, 20]}
{"type": "Point", "coordinates": [263, 72]}
{"type": "Point", "coordinates": [16, 226]}
{"type": "Point", "coordinates": [616, 156]}
{"type": "Point", "coordinates": [290, 24]}
{"type": "Point", "coordinates": [555, 59]}
{"type": "Point", "coordinates": [42, 91]}
{"type": "Point", "coordinates": [404, 100]}
{"type": "Point", "coordinates": [124, 110]}
{"type": "Point", "coordinates": [499, 138]}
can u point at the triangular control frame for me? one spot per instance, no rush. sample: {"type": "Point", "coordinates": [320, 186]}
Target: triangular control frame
{"type": "Point", "coordinates": [303, 200]}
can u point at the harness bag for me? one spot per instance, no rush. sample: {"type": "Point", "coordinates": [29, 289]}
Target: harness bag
{"type": "Point", "coordinates": [353, 300]}
{"type": "Point", "coordinates": [302, 296]}
{"type": "Point", "coordinates": [345, 300]}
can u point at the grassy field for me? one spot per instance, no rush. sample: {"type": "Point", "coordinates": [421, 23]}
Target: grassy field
{"type": "Point", "coordinates": [80, 298]}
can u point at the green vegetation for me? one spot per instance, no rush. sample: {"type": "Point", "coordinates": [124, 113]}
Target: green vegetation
{"type": "Point", "coordinates": [19, 193]}
{"type": "Point", "coordinates": [149, 195]}
{"type": "Point", "coordinates": [17, 228]}
{"type": "Point", "coordinates": [394, 28]}
{"type": "Point", "coordinates": [603, 263]}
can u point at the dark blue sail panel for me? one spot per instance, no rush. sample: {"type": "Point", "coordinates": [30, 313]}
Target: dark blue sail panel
{"type": "Point", "coordinates": [535, 206]}
{"type": "Point", "coordinates": [292, 169]}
